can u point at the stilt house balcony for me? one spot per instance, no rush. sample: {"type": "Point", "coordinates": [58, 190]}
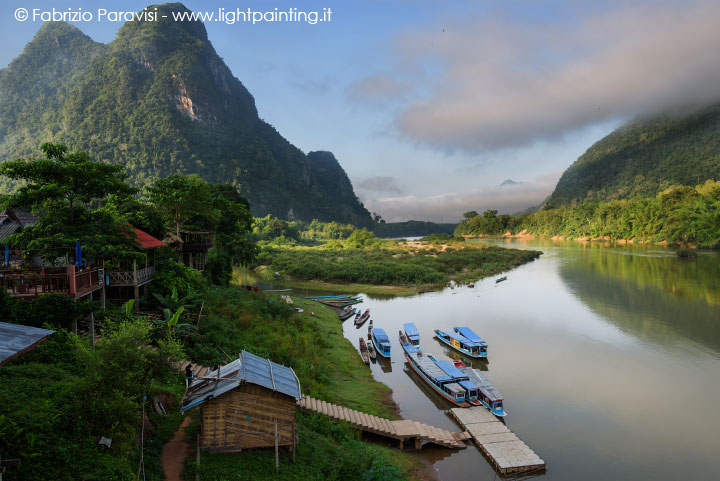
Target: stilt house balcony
{"type": "Point", "coordinates": [133, 278]}
{"type": "Point", "coordinates": [69, 280]}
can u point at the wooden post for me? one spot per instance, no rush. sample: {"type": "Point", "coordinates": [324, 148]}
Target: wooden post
{"type": "Point", "coordinates": [294, 435]}
{"type": "Point", "coordinates": [197, 458]}
{"type": "Point", "coordinates": [277, 454]}
{"type": "Point", "coordinates": [136, 291]}
{"type": "Point", "coordinates": [92, 326]}
{"type": "Point", "coordinates": [102, 296]}
{"type": "Point", "coordinates": [72, 286]}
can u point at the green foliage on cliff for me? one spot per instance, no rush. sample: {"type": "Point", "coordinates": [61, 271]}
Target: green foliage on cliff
{"type": "Point", "coordinates": [159, 100]}
{"type": "Point", "coordinates": [645, 157]}
{"type": "Point", "coordinates": [679, 214]}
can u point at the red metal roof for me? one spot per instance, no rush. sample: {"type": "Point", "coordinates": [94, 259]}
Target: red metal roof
{"type": "Point", "coordinates": [147, 241]}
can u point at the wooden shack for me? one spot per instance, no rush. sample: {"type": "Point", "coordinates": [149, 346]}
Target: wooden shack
{"type": "Point", "coordinates": [249, 403]}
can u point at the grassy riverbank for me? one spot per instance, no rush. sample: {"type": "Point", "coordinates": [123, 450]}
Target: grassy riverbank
{"type": "Point", "coordinates": [396, 268]}
{"type": "Point", "coordinates": [328, 368]}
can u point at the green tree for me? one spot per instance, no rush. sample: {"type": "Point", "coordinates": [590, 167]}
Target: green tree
{"type": "Point", "coordinates": [184, 200]}
{"type": "Point", "coordinates": [470, 214]}
{"type": "Point", "coordinates": [60, 188]}
{"type": "Point", "coordinates": [63, 180]}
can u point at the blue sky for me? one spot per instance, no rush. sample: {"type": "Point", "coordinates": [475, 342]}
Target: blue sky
{"type": "Point", "coordinates": [430, 106]}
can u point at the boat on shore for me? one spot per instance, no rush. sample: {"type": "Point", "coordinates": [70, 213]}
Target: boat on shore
{"type": "Point", "coordinates": [501, 279]}
{"type": "Point", "coordinates": [347, 313]}
{"type": "Point", "coordinates": [359, 321]}
{"type": "Point", "coordinates": [381, 341]}
{"type": "Point", "coordinates": [476, 348]}
{"type": "Point", "coordinates": [364, 351]}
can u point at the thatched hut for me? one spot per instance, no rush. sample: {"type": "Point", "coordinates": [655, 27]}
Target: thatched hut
{"type": "Point", "coordinates": [249, 403]}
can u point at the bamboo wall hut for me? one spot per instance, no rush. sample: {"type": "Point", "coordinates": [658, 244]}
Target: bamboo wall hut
{"type": "Point", "coordinates": [249, 403]}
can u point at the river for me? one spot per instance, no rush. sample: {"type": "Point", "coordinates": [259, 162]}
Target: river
{"type": "Point", "coordinates": [608, 359]}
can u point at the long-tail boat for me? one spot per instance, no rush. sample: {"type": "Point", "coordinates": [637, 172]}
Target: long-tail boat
{"type": "Point", "coordinates": [474, 348]}
{"type": "Point", "coordinates": [364, 351]}
{"type": "Point", "coordinates": [411, 333]}
{"type": "Point", "coordinates": [347, 313]}
{"type": "Point", "coordinates": [381, 342]}
{"type": "Point", "coordinates": [359, 321]}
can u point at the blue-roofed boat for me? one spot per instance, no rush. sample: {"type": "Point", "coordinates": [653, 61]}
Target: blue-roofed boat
{"type": "Point", "coordinates": [473, 348]}
{"type": "Point", "coordinates": [460, 384]}
{"type": "Point", "coordinates": [442, 376]}
{"type": "Point", "coordinates": [381, 342]}
{"type": "Point", "coordinates": [489, 396]}
{"type": "Point", "coordinates": [412, 333]}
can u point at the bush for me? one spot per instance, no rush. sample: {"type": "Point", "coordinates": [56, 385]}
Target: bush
{"type": "Point", "coordinates": [170, 274]}
{"type": "Point", "coordinates": [218, 269]}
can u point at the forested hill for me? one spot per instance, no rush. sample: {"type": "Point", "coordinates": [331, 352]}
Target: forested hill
{"type": "Point", "coordinates": [160, 100]}
{"type": "Point", "coordinates": [645, 157]}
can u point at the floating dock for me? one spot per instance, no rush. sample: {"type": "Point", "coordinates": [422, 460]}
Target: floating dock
{"type": "Point", "coordinates": [505, 450]}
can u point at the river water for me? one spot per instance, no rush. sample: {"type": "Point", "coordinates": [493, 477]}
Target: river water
{"type": "Point", "coordinates": [608, 359]}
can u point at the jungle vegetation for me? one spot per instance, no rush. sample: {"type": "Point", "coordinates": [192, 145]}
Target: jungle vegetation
{"type": "Point", "coordinates": [679, 214]}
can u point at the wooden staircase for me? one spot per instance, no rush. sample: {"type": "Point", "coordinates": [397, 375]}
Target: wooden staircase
{"type": "Point", "coordinates": [401, 430]}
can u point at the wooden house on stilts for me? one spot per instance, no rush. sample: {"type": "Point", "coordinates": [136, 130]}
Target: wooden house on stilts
{"type": "Point", "coordinates": [249, 403]}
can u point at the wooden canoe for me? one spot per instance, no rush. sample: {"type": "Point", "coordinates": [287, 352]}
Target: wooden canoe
{"type": "Point", "coordinates": [364, 351]}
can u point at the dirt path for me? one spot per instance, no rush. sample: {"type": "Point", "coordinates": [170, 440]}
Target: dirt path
{"type": "Point", "coordinates": [174, 453]}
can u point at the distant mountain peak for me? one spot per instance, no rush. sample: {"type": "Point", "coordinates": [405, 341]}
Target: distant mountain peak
{"type": "Point", "coordinates": [161, 26]}
{"type": "Point", "coordinates": [510, 182]}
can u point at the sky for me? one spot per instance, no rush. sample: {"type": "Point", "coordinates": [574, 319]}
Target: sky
{"type": "Point", "coordinates": [430, 106]}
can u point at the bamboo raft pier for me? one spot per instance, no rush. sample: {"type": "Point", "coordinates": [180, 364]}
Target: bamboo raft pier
{"type": "Point", "coordinates": [505, 450]}
{"type": "Point", "coordinates": [402, 430]}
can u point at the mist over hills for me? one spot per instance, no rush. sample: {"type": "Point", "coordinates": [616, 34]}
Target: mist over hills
{"type": "Point", "coordinates": [645, 156]}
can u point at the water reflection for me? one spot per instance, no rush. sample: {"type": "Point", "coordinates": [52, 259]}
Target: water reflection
{"type": "Point", "coordinates": [384, 363]}
{"type": "Point", "coordinates": [644, 309]}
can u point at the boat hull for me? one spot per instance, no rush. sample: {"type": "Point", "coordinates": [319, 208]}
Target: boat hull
{"type": "Point", "coordinates": [435, 388]}
{"type": "Point", "coordinates": [481, 355]}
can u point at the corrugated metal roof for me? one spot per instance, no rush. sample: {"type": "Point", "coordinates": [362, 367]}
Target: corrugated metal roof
{"type": "Point", "coordinates": [467, 332]}
{"type": "Point", "coordinates": [451, 370]}
{"type": "Point", "coordinates": [461, 338]}
{"type": "Point", "coordinates": [249, 368]}
{"type": "Point", "coordinates": [15, 339]}
{"type": "Point", "coordinates": [8, 228]}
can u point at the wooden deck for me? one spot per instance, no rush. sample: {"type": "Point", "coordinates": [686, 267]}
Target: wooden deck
{"type": "Point", "coordinates": [402, 430]}
{"type": "Point", "coordinates": [505, 450]}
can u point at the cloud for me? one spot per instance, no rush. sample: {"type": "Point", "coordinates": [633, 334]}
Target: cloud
{"type": "Point", "coordinates": [495, 83]}
{"type": "Point", "coordinates": [376, 88]}
{"type": "Point", "coordinates": [379, 184]}
{"type": "Point", "coordinates": [449, 207]}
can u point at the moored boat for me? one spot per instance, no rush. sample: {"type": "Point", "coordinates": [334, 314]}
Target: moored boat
{"type": "Point", "coordinates": [364, 351]}
{"type": "Point", "coordinates": [359, 321]}
{"type": "Point", "coordinates": [469, 347]}
{"type": "Point", "coordinates": [500, 279]}
{"type": "Point", "coordinates": [441, 376]}
{"type": "Point", "coordinates": [489, 396]}
{"type": "Point", "coordinates": [411, 333]}
{"type": "Point", "coordinates": [347, 313]}
{"type": "Point", "coordinates": [381, 342]}
{"type": "Point", "coordinates": [371, 351]}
